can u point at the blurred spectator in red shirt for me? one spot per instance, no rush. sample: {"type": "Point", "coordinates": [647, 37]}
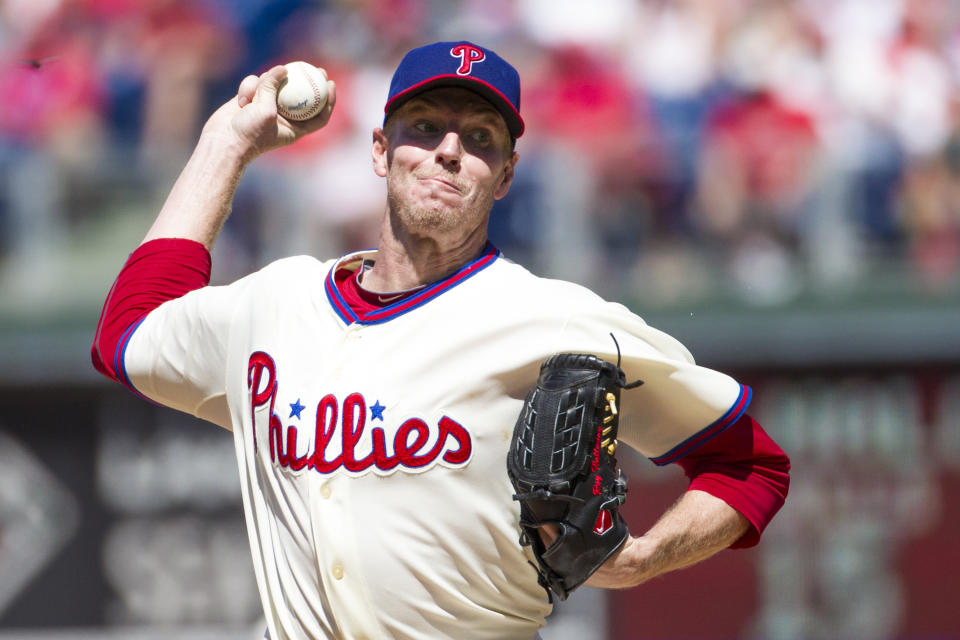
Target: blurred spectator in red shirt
{"type": "Point", "coordinates": [53, 88]}
{"type": "Point", "coordinates": [757, 163]}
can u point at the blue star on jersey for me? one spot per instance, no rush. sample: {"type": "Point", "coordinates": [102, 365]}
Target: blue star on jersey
{"type": "Point", "coordinates": [376, 411]}
{"type": "Point", "coordinates": [296, 408]}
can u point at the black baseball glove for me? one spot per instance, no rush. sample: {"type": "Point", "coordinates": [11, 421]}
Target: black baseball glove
{"type": "Point", "coordinates": [562, 466]}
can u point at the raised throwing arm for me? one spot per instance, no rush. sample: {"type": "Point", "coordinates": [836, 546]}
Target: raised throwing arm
{"type": "Point", "coordinates": [238, 132]}
{"type": "Point", "coordinates": [174, 258]}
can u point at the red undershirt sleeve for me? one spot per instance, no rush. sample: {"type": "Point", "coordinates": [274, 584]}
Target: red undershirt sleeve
{"type": "Point", "coordinates": [157, 271]}
{"type": "Point", "coordinates": [745, 468]}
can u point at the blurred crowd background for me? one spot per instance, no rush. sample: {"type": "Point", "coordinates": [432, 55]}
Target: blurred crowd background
{"type": "Point", "coordinates": [775, 182]}
{"type": "Point", "coordinates": [759, 151]}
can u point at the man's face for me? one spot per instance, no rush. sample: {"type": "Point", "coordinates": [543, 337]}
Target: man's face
{"type": "Point", "coordinates": [446, 155]}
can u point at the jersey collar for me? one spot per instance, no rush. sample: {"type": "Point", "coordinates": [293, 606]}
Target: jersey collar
{"type": "Point", "coordinates": [353, 260]}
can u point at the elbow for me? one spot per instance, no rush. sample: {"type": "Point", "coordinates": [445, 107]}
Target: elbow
{"type": "Point", "coordinates": [99, 363]}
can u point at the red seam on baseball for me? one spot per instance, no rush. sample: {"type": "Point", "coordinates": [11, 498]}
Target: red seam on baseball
{"type": "Point", "coordinates": [316, 101]}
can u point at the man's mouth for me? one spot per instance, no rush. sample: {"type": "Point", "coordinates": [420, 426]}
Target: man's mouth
{"type": "Point", "coordinates": [448, 184]}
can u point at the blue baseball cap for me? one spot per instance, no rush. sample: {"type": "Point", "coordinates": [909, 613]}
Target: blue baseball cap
{"type": "Point", "coordinates": [459, 64]}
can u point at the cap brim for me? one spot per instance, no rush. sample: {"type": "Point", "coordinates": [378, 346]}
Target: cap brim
{"type": "Point", "coordinates": [510, 115]}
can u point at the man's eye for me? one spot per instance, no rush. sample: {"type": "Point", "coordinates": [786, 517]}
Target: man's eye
{"type": "Point", "coordinates": [426, 127]}
{"type": "Point", "coordinates": [480, 136]}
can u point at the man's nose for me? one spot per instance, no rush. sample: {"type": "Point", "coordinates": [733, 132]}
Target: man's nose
{"type": "Point", "coordinates": [450, 150]}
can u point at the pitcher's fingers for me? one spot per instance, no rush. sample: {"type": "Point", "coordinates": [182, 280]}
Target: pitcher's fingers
{"type": "Point", "coordinates": [331, 93]}
{"type": "Point", "coordinates": [248, 87]}
{"type": "Point", "coordinates": [324, 115]}
{"type": "Point", "coordinates": [331, 100]}
{"type": "Point", "coordinates": [269, 85]}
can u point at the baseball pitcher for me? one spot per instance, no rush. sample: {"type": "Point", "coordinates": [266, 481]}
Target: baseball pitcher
{"type": "Point", "coordinates": [426, 434]}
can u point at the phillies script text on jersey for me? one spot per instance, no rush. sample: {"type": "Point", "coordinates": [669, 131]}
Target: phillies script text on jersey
{"type": "Point", "coordinates": [412, 449]}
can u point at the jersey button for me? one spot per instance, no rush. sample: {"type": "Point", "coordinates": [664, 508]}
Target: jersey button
{"type": "Point", "coordinates": [325, 491]}
{"type": "Point", "coordinates": [337, 572]}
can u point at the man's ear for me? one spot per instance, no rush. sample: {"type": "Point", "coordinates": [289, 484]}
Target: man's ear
{"type": "Point", "coordinates": [379, 152]}
{"type": "Point", "coordinates": [507, 179]}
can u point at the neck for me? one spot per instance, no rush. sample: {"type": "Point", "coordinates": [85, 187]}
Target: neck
{"type": "Point", "coordinates": [406, 260]}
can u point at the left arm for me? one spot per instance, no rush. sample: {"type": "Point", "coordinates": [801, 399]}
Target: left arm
{"type": "Point", "coordinates": [697, 526]}
{"type": "Point", "coordinates": [738, 481]}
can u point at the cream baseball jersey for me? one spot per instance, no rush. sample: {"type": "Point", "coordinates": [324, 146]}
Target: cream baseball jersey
{"type": "Point", "coordinates": [372, 448]}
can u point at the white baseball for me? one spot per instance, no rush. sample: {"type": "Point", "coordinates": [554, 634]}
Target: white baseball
{"type": "Point", "coordinates": [304, 93]}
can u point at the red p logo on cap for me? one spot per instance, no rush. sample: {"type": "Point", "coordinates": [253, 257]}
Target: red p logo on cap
{"type": "Point", "coordinates": [431, 66]}
{"type": "Point", "coordinates": [468, 54]}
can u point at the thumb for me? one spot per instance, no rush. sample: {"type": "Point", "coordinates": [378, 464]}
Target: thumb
{"type": "Point", "coordinates": [269, 85]}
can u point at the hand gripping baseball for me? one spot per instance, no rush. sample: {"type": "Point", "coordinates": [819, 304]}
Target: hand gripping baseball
{"type": "Point", "coordinates": [236, 133]}
{"type": "Point", "coordinates": [562, 465]}
{"type": "Point", "coordinates": [252, 121]}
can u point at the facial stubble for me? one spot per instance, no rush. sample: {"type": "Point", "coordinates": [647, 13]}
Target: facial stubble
{"type": "Point", "coordinates": [434, 217]}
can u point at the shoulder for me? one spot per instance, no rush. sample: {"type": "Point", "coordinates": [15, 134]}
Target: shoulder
{"type": "Point", "coordinates": [586, 318]}
{"type": "Point", "coordinates": [516, 282]}
{"type": "Point", "coordinates": [306, 265]}
{"type": "Point", "coordinates": [286, 272]}
{"type": "Point", "coordinates": [521, 289]}
{"type": "Point", "coordinates": [285, 278]}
